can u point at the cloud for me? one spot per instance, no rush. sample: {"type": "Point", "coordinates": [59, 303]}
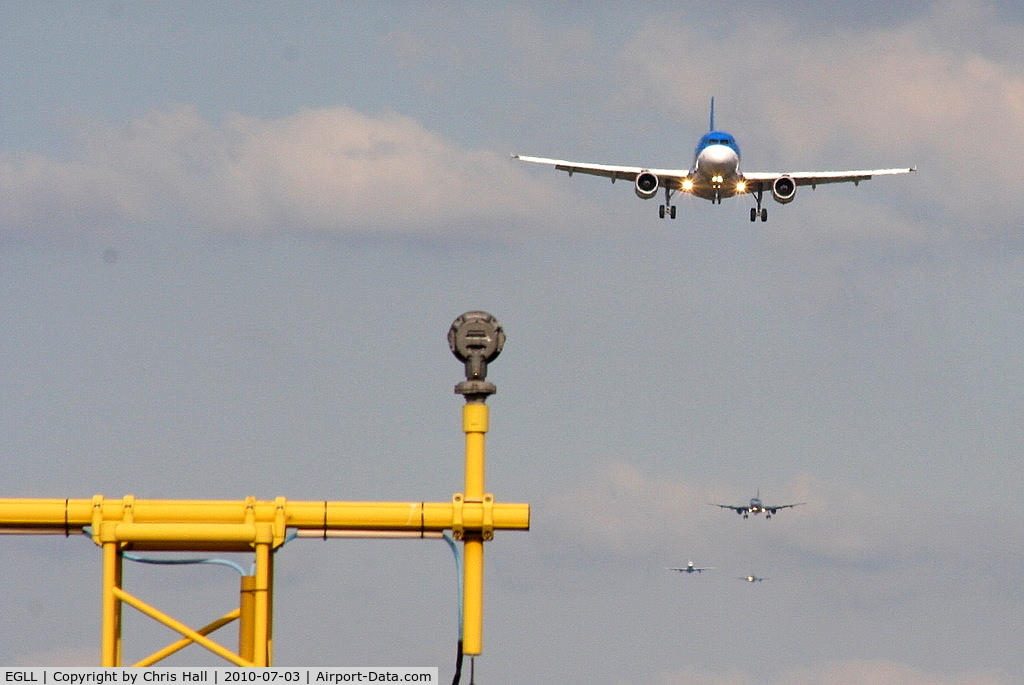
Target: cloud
{"type": "Point", "coordinates": [614, 511]}
{"type": "Point", "coordinates": [327, 172]}
{"type": "Point", "coordinates": [871, 672]}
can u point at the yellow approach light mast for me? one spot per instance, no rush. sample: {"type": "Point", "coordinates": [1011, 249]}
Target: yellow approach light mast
{"type": "Point", "coordinates": [121, 527]}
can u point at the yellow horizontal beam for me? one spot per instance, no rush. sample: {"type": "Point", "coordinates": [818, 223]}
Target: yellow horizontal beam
{"type": "Point", "coordinates": [237, 520]}
{"type": "Point", "coordinates": [114, 531]}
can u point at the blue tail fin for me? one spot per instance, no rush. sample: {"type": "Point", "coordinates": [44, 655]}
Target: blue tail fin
{"type": "Point", "coordinates": [712, 125]}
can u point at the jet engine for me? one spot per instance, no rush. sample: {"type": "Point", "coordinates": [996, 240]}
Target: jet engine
{"type": "Point", "coordinates": [646, 185]}
{"type": "Point", "coordinates": [784, 189]}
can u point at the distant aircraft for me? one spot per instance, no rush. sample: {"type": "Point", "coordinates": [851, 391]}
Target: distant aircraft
{"type": "Point", "coordinates": [690, 568]}
{"type": "Point", "coordinates": [756, 507]}
{"type": "Point", "coordinates": [752, 579]}
{"type": "Point", "coordinates": [715, 174]}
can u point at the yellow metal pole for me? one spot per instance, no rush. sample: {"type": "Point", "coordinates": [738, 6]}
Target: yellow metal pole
{"type": "Point", "coordinates": [261, 606]}
{"type": "Point", "coordinates": [473, 595]}
{"type": "Point", "coordinates": [270, 607]}
{"type": "Point", "coordinates": [475, 425]}
{"type": "Point", "coordinates": [110, 640]}
{"type": "Point", "coordinates": [247, 618]}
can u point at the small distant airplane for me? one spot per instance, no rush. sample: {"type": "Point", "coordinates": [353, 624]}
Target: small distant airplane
{"type": "Point", "coordinates": [690, 568]}
{"type": "Point", "coordinates": [752, 579]}
{"type": "Point", "coordinates": [756, 507]}
{"type": "Point", "coordinates": [715, 174]}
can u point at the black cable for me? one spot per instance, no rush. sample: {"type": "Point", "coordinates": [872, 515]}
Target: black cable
{"type": "Point", "coordinates": [458, 666]}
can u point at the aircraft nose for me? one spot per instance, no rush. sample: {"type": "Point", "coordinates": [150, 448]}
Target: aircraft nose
{"type": "Point", "coordinates": [718, 160]}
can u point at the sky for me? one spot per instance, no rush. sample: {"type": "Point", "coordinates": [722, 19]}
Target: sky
{"type": "Point", "coordinates": [233, 238]}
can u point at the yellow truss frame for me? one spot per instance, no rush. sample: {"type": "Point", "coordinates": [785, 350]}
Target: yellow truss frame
{"type": "Point", "coordinates": [260, 527]}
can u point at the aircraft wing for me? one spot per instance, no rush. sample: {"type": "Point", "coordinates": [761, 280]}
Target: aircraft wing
{"type": "Point", "coordinates": [611, 171]}
{"type": "Point", "coordinates": [815, 178]}
{"type": "Point", "coordinates": [690, 569]}
{"type": "Point", "coordinates": [738, 509]}
{"type": "Point", "coordinates": [784, 506]}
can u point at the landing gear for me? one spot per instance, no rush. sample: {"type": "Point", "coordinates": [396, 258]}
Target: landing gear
{"type": "Point", "coordinates": [759, 211]}
{"type": "Point", "coordinates": [668, 207]}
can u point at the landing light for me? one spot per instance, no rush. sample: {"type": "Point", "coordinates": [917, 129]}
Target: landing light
{"type": "Point", "coordinates": [687, 185]}
{"type": "Point", "coordinates": [741, 187]}
{"type": "Point", "coordinates": [717, 179]}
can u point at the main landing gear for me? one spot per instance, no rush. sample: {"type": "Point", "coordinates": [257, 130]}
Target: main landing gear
{"type": "Point", "coordinates": [667, 208]}
{"type": "Point", "coordinates": [758, 211]}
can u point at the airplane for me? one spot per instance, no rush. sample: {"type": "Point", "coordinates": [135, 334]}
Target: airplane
{"type": "Point", "coordinates": [756, 506]}
{"type": "Point", "coordinates": [690, 568]}
{"type": "Point", "coordinates": [752, 579]}
{"type": "Point", "coordinates": [714, 175]}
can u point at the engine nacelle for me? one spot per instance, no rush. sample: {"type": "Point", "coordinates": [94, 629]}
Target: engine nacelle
{"type": "Point", "coordinates": [646, 185]}
{"type": "Point", "coordinates": [784, 189]}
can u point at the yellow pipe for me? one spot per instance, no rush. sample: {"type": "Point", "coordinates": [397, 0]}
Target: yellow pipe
{"type": "Point", "coordinates": [261, 606]}
{"type": "Point", "coordinates": [180, 627]}
{"type": "Point", "coordinates": [111, 608]}
{"type": "Point", "coordinates": [172, 532]}
{"type": "Point", "coordinates": [247, 618]}
{"type": "Point", "coordinates": [270, 607]}
{"type": "Point", "coordinates": [371, 534]}
{"type": "Point", "coordinates": [475, 420]}
{"type": "Point", "coordinates": [473, 595]}
{"type": "Point", "coordinates": [48, 516]}
{"type": "Point", "coordinates": [474, 424]}
{"type": "Point", "coordinates": [185, 642]}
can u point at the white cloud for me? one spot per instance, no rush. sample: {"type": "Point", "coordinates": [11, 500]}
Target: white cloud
{"type": "Point", "coordinates": [330, 171]}
{"type": "Point", "coordinates": [878, 672]}
{"type": "Point", "coordinates": [619, 508]}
